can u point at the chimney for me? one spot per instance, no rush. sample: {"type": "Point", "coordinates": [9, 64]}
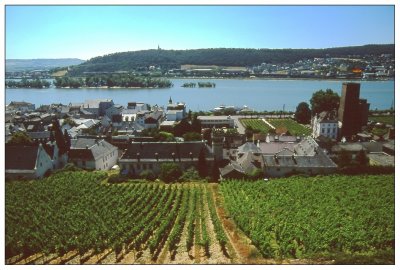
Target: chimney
{"type": "Point", "coordinates": [87, 146]}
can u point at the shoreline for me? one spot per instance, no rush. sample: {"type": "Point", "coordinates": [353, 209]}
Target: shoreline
{"type": "Point", "coordinates": [279, 79]}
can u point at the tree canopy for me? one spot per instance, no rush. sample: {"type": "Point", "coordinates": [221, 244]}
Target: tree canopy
{"type": "Point", "coordinates": [303, 113]}
{"type": "Point", "coordinates": [170, 172]}
{"type": "Point", "coordinates": [20, 138]}
{"type": "Point", "coordinates": [324, 101]}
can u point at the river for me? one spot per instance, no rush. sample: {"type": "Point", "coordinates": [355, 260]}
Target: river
{"type": "Point", "coordinates": [257, 94]}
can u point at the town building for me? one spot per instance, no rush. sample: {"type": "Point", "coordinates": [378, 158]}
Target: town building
{"type": "Point", "coordinates": [216, 121]}
{"type": "Point", "coordinates": [97, 107]}
{"type": "Point", "coordinates": [95, 154]}
{"type": "Point", "coordinates": [279, 158]}
{"type": "Point", "coordinates": [21, 106]}
{"type": "Point", "coordinates": [141, 156]}
{"type": "Point", "coordinates": [175, 111]}
{"type": "Point", "coordinates": [325, 124]}
{"type": "Point", "coordinates": [26, 161]}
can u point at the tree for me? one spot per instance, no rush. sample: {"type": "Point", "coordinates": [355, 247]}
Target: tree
{"type": "Point", "coordinates": [192, 136]}
{"type": "Point", "coordinates": [202, 164]}
{"type": "Point", "coordinates": [324, 101]}
{"type": "Point", "coordinates": [182, 128]}
{"type": "Point", "coordinates": [196, 125]}
{"type": "Point", "coordinates": [190, 174]}
{"type": "Point", "coordinates": [59, 136]}
{"type": "Point", "coordinates": [303, 113]}
{"type": "Point", "coordinates": [170, 172]}
{"type": "Point", "coordinates": [20, 138]}
{"type": "Point", "coordinates": [215, 171]}
{"type": "Point", "coordinates": [164, 136]}
{"type": "Point", "coordinates": [67, 140]}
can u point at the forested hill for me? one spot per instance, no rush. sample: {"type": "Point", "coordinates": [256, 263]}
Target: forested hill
{"type": "Point", "coordinates": [167, 59]}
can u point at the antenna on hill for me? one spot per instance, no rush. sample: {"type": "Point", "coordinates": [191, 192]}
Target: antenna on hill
{"type": "Point", "coordinates": [158, 47]}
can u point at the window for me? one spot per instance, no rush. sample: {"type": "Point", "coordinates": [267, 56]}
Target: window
{"type": "Point", "coordinates": [333, 130]}
{"type": "Point", "coordinates": [150, 166]}
{"type": "Point", "coordinates": [83, 162]}
{"type": "Point", "coordinates": [329, 130]}
{"type": "Point", "coordinates": [323, 130]}
{"type": "Point", "coordinates": [144, 166]}
{"type": "Point", "coordinates": [138, 166]}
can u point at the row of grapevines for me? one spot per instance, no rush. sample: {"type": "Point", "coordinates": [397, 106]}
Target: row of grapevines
{"type": "Point", "coordinates": [299, 217]}
{"type": "Point", "coordinates": [219, 231]}
{"type": "Point", "coordinates": [191, 218]}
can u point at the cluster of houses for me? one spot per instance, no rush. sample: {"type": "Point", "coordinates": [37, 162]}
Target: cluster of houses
{"type": "Point", "coordinates": [101, 135]}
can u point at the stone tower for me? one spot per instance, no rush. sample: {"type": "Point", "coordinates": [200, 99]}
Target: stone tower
{"type": "Point", "coordinates": [217, 143]}
{"type": "Point", "coordinates": [353, 112]}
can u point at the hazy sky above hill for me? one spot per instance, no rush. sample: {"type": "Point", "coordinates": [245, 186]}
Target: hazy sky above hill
{"type": "Point", "coordinates": [89, 31]}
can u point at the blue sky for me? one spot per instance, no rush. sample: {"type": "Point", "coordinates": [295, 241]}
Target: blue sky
{"type": "Point", "coordinates": [89, 31]}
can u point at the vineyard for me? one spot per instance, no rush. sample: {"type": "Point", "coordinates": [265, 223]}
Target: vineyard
{"type": "Point", "coordinates": [74, 218]}
{"type": "Point", "coordinates": [79, 218]}
{"type": "Point", "coordinates": [257, 124]}
{"type": "Point", "coordinates": [386, 119]}
{"type": "Point", "coordinates": [317, 217]}
{"type": "Point", "coordinates": [292, 126]}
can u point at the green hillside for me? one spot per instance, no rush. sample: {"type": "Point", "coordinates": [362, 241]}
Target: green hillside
{"type": "Point", "coordinates": [167, 59]}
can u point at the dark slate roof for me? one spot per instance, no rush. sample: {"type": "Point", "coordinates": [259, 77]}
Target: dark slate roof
{"type": "Point", "coordinates": [84, 154]}
{"type": "Point", "coordinates": [153, 117]}
{"type": "Point", "coordinates": [250, 161]}
{"type": "Point", "coordinates": [351, 147]}
{"type": "Point", "coordinates": [282, 138]}
{"type": "Point", "coordinates": [274, 147]}
{"type": "Point", "coordinates": [129, 125]}
{"type": "Point", "coordinates": [20, 157]}
{"type": "Point", "coordinates": [318, 160]}
{"type": "Point", "coordinates": [147, 150]}
{"type": "Point", "coordinates": [231, 167]}
{"type": "Point", "coordinates": [249, 147]}
{"type": "Point", "coordinates": [39, 134]}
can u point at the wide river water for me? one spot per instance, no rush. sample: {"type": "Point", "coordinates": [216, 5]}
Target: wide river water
{"type": "Point", "coordinates": [257, 94]}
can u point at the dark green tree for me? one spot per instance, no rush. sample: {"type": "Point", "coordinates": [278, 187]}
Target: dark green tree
{"type": "Point", "coordinates": [192, 136]}
{"type": "Point", "coordinates": [202, 164]}
{"type": "Point", "coordinates": [20, 138]}
{"type": "Point", "coordinates": [170, 172]}
{"type": "Point", "coordinates": [67, 140]}
{"type": "Point", "coordinates": [196, 125]}
{"type": "Point", "coordinates": [215, 171]}
{"type": "Point", "coordinates": [303, 113]}
{"type": "Point", "coordinates": [324, 101]}
{"type": "Point", "coordinates": [183, 127]}
{"type": "Point", "coordinates": [59, 136]}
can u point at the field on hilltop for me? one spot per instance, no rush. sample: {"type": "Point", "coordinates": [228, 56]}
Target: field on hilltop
{"type": "Point", "coordinates": [80, 218]}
